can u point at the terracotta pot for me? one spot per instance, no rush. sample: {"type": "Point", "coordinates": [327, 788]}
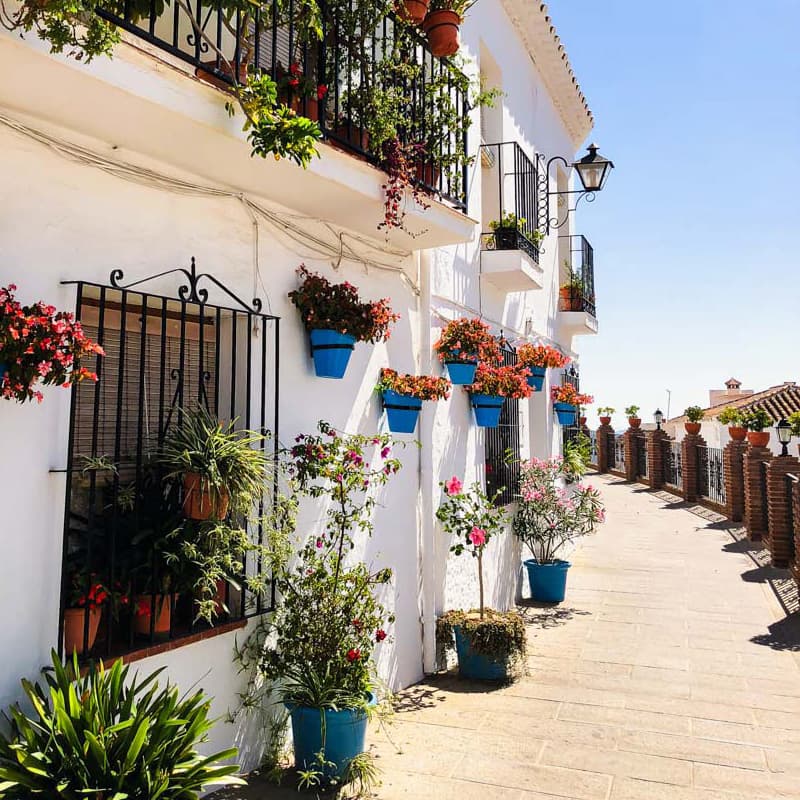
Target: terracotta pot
{"type": "Point", "coordinates": [605, 420]}
{"type": "Point", "coordinates": [570, 300]}
{"type": "Point", "coordinates": [758, 438]}
{"type": "Point", "coordinates": [634, 422]}
{"type": "Point", "coordinates": [199, 503]}
{"type": "Point", "coordinates": [353, 135]}
{"type": "Point", "coordinates": [143, 611]}
{"type": "Point", "coordinates": [582, 421]}
{"type": "Point", "coordinates": [311, 103]}
{"type": "Point", "coordinates": [441, 28]}
{"type": "Point", "coordinates": [206, 74]}
{"type": "Point", "coordinates": [412, 11]}
{"type": "Point", "coordinates": [692, 428]}
{"type": "Point", "coordinates": [74, 619]}
{"type": "Point", "coordinates": [736, 433]}
{"type": "Point", "coordinates": [429, 174]}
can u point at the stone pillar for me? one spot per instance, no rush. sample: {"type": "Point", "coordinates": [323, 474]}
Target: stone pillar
{"type": "Point", "coordinates": [755, 500]}
{"type": "Point", "coordinates": [655, 457]}
{"type": "Point", "coordinates": [795, 565]}
{"type": "Point", "coordinates": [604, 443]}
{"type": "Point", "coordinates": [733, 474]}
{"type": "Point", "coordinates": [779, 510]}
{"type": "Point", "coordinates": [629, 444]}
{"type": "Point", "coordinates": [689, 458]}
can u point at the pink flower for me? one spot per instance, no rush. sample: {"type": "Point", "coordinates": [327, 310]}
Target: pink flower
{"type": "Point", "coordinates": [477, 537]}
{"type": "Point", "coordinates": [453, 486]}
{"type": "Point", "coordinates": [385, 452]}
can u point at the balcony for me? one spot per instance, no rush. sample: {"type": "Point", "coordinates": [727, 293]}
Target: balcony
{"type": "Point", "coordinates": [509, 250]}
{"type": "Point", "coordinates": [576, 302]}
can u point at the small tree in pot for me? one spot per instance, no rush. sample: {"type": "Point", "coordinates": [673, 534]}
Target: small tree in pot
{"type": "Point", "coordinates": [755, 420]}
{"type": "Point", "coordinates": [632, 413]}
{"type": "Point", "coordinates": [732, 417]}
{"type": "Point", "coordinates": [488, 643]}
{"type": "Point", "coordinates": [694, 415]}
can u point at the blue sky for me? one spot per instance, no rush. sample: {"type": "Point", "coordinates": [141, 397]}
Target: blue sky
{"type": "Point", "coordinates": [697, 232]}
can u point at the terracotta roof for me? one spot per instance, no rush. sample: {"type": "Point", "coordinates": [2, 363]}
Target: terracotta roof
{"type": "Point", "coordinates": [778, 401]}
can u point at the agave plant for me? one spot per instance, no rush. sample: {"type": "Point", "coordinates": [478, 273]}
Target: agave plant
{"type": "Point", "coordinates": [108, 735]}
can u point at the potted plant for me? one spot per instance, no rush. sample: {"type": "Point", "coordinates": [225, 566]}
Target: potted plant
{"type": "Point", "coordinates": [755, 420]}
{"type": "Point", "coordinates": [548, 518]}
{"type": "Point", "coordinates": [412, 11]}
{"type": "Point", "coordinates": [219, 466]}
{"type": "Point", "coordinates": [538, 358]}
{"type": "Point", "coordinates": [632, 413]}
{"type": "Point", "coordinates": [441, 25]}
{"type": "Point", "coordinates": [462, 344]}
{"type": "Point", "coordinates": [402, 397]}
{"type": "Point", "coordinates": [300, 92]}
{"type": "Point", "coordinates": [488, 643]}
{"type": "Point", "coordinates": [336, 318]}
{"type": "Point", "coordinates": [316, 652]}
{"type": "Point", "coordinates": [571, 291]}
{"type": "Point", "coordinates": [605, 412]}
{"type": "Point", "coordinates": [565, 403]}
{"type": "Point", "coordinates": [39, 345]}
{"type": "Point", "coordinates": [732, 417]}
{"type": "Point", "coordinates": [492, 385]}
{"type": "Point", "coordinates": [694, 415]}
{"type": "Point", "coordinates": [581, 401]}
{"type": "Point", "coordinates": [507, 229]}
{"type": "Point", "coordinates": [85, 601]}
{"type": "Point", "coordinates": [794, 420]}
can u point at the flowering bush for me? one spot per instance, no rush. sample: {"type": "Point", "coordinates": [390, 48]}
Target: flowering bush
{"type": "Point", "coordinates": [40, 345]}
{"type": "Point", "coordinates": [541, 355]}
{"type": "Point", "coordinates": [337, 306]}
{"type": "Point", "coordinates": [510, 381]}
{"type": "Point", "coordinates": [565, 393]}
{"type": "Point", "coordinates": [423, 387]}
{"type": "Point", "coordinates": [549, 516]}
{"type": "Point", "coordinates": [468, 340]}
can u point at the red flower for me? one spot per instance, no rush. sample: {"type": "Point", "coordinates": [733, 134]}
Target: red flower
{"type": "Point", "coordinates": [357, 624]}
{"type": "Point", "coordinates": [294, 68]}
{"type": "Point", "coordinates": [322, 90]}
{"type": "Point", "coordinates": [353, 655]}
{"type": "Point", "coordinates": [380, 635]}
{"type": "Point", "coordinates": [293, 81]}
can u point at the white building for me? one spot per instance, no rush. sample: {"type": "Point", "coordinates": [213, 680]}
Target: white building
{"type": "Point", "coordinates": [133, 164]}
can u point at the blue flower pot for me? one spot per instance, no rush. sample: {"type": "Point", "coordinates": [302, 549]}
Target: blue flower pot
{"type": "Point", "coordinates": [475, 666]}
{"type": "Point", "coordinates": [487, 409]}
{"type": "Point", "coordinates": [331, 352]}
{"type": "Point", "coordinates": [536, 378]}
{"type": "Point", "coordinates": [402, 411]}
{"type": "Point", "coordinates": [461, 373]}
{"type": "Point", "coordinates": [344, 737]}
{"type": "Point", "coordinates": [548, 582]}
{"type": "Point", "coordinates": [566, 413]}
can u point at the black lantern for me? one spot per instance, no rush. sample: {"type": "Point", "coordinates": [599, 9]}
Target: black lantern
{"type": "Point", "coordinates": [658, 416]}
{"type": "Point", "coordinates": [593, 170]}
{"type": "Point", "coordinates": [784, 431]}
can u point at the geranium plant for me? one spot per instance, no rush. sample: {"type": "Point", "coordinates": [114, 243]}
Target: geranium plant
{"type": "Point", "coordinates": [509, 381]}
{"type": "Point", "coordinates": [565, 393]}
{"type": "Point", "coordinates": [423, 387]}
{"type": "Point", "coordinates": [541, 355]}
{"type": "Point", "coordinates": [40, 345]}
{"type": "Point", "coordinates": [468, 340]}
{"type": "Point", "coordinates": [548, 516]}
{"type": "Point", "coordinates": [337, 306]}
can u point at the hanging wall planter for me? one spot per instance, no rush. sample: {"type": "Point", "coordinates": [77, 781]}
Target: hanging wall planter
{"type": "Point", "coordinates": [492, 385]}
{"type": "Point", "coordinates": [402, 411]}
{"type": "Point", "coordinates": [442, 27]}
{"type": "Point", "coordinates": [461, 373]}
{"type": "Point", "coordinates": [403, 395]}
{"type": "Point", "coordinates": [487, 409]}
{"type": "Point", "coordinates": [331, 352]}
{"type": "Point", "coordinates": [464, 343]}
{"type": "Point", "coordinates": [538, 358]}
{"type": "Point", "coordinates": [536, 378]}
{"type": "Point", "coordinates": [566, 413]}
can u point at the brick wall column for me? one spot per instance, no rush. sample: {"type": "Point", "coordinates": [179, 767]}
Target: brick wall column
{"type": "Point", "coordinates": [604, 434]}
{"type": "Point", "coordinates": [795, 565]}
{"type": "Point", "coordinates": [780, 523]}
{"type": "Point", "coordinates": [629, 443]}
{"type": "Point", "coordinates": [733, 474]}
{"type": "Point", "coordinates": [689, 459]}
{"type": "Point", "coordinates": [655, 457]}
{"type": "Point", "coordinates": [754, 499]}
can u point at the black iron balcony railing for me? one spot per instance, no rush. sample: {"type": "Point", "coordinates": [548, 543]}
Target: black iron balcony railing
{"type": "Point", "coordinates": [337, 79]}
{"type": "Point", "coordinates": [577, 287]}
{"type": "Point", "coordinates": [509, 192]}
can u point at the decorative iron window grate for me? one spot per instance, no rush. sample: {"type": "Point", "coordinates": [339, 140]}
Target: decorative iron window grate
{"type": "Point", "coordinates": [163, 355]}
{"type": "Point", "coordinates": [503, 452]}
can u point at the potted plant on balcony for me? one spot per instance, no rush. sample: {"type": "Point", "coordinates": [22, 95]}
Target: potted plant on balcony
{"type": "Point", "coordinates": [507, 230]}
{"type": "Point", "coordinates": [491, 387]}
{"type": "Point", "coordinates": [299, 91]}
{"type": "Point", "coordinates": [605, 412]}
{"type": "Point", "coordinates": [412, 11]}
{"type": "Point", "coordinates": [548, 519]}
{"type": "Point", "coordinates": [462, 344]}
{"type": "Point", "coordinates": [403, 395]}
{"type": "Point", "coordinates": [40, 346]}
{"type": "Point", "coordinates": [732, 417]}
{"type": "Point", "coordinates": [316, 652]}
{"type": "Point", "coordinates": [538, 358]}
{"type": "Point", "coordinates": [694, 415]}
{"type": "Point", "coordinates": [565, 403]}
{"type": "Point", "coordinates": [336, 318]}
{"type": "Point", "coordinates": [441, 26]}
{"type": "Point", "coordinates": [571, 292]}
{"type": "Point", "coordinates": [755, 420]}
{"type": "Point", "coordinates": [632, 413]}
{"type": "Point", "coordinates": [488, 643]}
{"type": "Point", "coordinates": [219, 466]}
{"type": "Point", "coordinates": [84, 607]}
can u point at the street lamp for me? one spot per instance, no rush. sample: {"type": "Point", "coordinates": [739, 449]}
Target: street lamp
{"type": "Point", "coordinates": [784, 431]}
{"type": "Point", "coordinates": [658, 416]}
{"type": "Point", "coordinates": [593, 169]}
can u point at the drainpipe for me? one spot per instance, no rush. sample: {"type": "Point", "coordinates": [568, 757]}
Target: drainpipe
{"type": "Point", "coordinates": [427, 526]}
